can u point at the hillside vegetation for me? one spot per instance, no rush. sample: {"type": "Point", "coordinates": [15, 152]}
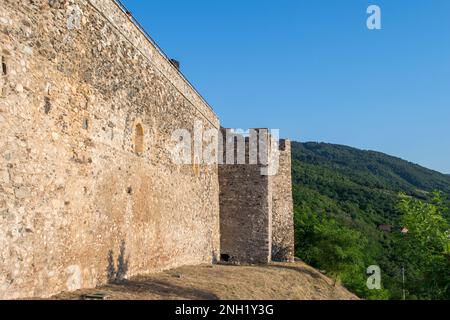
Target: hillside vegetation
{"type": "Point", "coordinates": [342, 196]}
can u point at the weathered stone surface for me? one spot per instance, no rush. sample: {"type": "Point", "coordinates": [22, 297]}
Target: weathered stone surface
{"type": "Point", "coordinates": [73, 191]}
{"type": "Point", "coordinates": [283, 207]}
{"type": "Point", "coordinates": [245, 214]}
{"type": "Point", "coordinates": [89, 192]}
{"type": "Point", "coordinates": [256, 211]}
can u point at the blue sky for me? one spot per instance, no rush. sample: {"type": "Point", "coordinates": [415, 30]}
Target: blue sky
{"type": "Point", "coordinates": [312, 68]}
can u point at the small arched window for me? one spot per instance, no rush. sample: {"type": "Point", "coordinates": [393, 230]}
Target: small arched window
{"type": "Point", "coordinates": [139, 139]}
{"type": "Point", "coordinates": [196, 166]}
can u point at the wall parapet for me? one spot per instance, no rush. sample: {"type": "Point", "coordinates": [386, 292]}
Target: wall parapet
{"type": "Point", "coordinates": [117, 14]}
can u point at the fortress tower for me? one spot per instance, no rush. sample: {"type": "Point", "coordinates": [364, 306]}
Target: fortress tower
{"type": "Point", "coordinates": [256, 207]}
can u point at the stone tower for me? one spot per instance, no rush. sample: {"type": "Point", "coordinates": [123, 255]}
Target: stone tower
{"type": "Point", "coordinates": [256, 208]}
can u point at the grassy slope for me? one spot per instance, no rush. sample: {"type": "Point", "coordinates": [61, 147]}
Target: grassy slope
{"type": "Point", "coordinates": [278, 281]}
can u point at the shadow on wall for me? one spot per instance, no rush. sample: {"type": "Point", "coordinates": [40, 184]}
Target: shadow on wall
{"type": "Point", "coordinates": [279, 253]}
{"type": "Point", "coordinates": [119, 274]}
{"type": "Point", "coordinates": [214, 257]}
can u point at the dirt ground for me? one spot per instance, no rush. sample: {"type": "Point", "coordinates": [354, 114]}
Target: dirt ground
{"type": "Point", "coordinates": [277, 281]}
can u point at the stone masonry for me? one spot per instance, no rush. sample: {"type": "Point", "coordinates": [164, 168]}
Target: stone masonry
{"type": "Point", "coordinates": [245, 206]}
{"type": "Point", "coordinates": [89, 192]}
{"type": "Point", "coordinates": [74, 186]}
{"type": "Point", "coordinates": [256, 210]}
{"type": "Point", "coordinates": [283, 207]}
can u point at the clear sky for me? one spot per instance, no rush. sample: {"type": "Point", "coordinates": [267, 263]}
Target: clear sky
{"type": "Point", "coordinates": [312, 69]}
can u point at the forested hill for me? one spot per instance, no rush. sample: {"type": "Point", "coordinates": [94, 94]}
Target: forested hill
{"type": "Point", "coordinates": [357, 185]}
{"type": "Point", "coordinates": [342, 194]}
{"type": "Point", "coordinates": [371, 169]}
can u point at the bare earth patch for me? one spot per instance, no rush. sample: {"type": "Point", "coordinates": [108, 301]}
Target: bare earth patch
{"type": "Point", "coordinates": [277, 281]}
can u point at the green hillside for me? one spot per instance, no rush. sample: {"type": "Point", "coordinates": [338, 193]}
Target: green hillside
{"type": "Point", "coordinates": [358, 190]}
{"type": "Point", "coordinates": [370, 168]}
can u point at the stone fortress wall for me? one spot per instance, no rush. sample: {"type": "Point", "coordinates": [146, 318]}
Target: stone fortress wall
{"type": "Point", "coordinates": [88, 190]}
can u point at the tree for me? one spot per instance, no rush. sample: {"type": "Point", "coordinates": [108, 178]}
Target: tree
{"type": "Point", "coordinates": [340, 251]}
{"type": "Point", "coordinates": [424, 246]}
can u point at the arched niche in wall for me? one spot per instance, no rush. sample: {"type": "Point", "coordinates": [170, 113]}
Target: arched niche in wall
{"type": "Point", "coordinates": [196, 165]}
{"type": "Point", "coordinates": [139, 138]}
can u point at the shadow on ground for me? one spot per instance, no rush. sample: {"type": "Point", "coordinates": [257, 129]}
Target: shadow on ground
{"type": "Point", "coordinates": [162, 289]}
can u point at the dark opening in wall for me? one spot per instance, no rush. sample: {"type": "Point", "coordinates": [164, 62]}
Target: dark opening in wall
{"type": "Point", "coordinates": [282, 145]}
{"type": "Point", "coordinates": [4, 67]}
{"type": "Point", "coordinates": [225, 257]}
{"type": "Point", "coordinates": [3, 74]}
{"type": "Point", "coordinates": [139, 139]}
{"type": "Point", "coordinates": [47, 105]}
